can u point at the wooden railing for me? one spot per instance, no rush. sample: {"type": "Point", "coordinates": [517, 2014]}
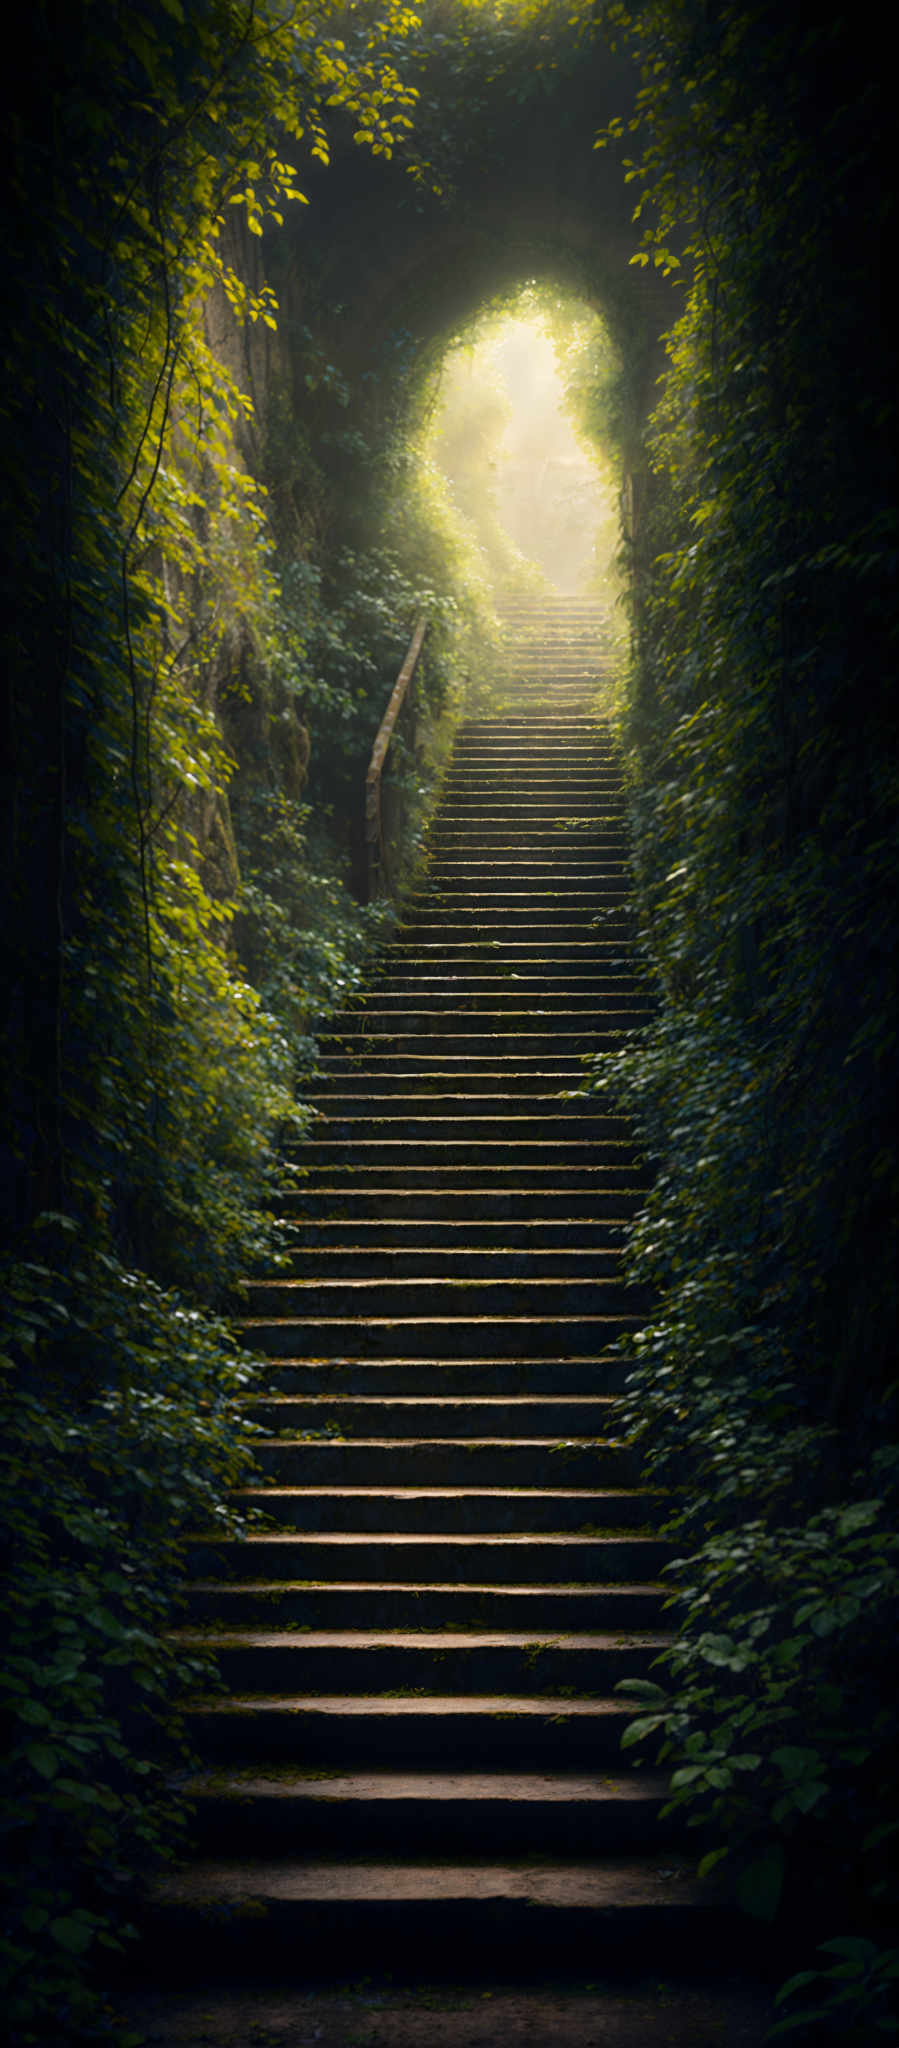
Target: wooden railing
{"type": "Point", "coordinates": [375, 850]}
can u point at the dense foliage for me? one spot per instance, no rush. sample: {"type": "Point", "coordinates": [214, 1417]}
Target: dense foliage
{"type": "Point", "coordinates": [763, 755]}
{"type": "Point", "coordinates": [170, 932]}
{"type": "Point", "coordinates": [215, 546]}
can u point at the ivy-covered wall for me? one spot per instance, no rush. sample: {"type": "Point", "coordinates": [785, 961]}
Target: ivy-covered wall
{"type": "Point", "coordinates": [763, 754]}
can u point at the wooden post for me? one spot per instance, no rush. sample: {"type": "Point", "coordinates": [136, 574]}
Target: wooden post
{"type": "Point", "coordinates": [375, 857]}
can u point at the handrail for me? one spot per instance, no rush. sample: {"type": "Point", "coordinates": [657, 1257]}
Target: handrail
{"type": "Point", "coordinates": [375, 856]}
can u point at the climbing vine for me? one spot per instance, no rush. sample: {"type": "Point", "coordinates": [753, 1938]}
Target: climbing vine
{"type": "Point", "coordinates": [763, 763]}
{"type": "Point", "coordinates": [149, 1079]}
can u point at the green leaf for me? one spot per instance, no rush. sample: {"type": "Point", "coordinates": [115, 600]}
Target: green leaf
{"type": "Point", "coordinates": [74, 1932]}
{"type": "Point", "coordinates": [760, 1885]}
{"type": "Point", "coordinates": [43, 1759]}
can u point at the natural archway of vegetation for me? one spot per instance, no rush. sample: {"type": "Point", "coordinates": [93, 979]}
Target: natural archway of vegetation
{"type": "Point", "coordinates": [276, 281]}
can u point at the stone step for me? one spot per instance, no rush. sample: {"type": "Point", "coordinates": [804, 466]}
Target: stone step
{"type": "Point", "coordinates": [484, 953]}
{"type": "Point", "coordinates": [559, 931]}
{"type": "Point", "coordinates": [480, 820]}
{"type": "Point", "coordinates": [443, 1661]}
{"type": "Point", "coordinates": [514, 1919]}
{"type": "Point", "coordinates": [449, 1731]}
{"type": "Point", "coordinates": [573, 791]}
{"type": "Point", "coordinates": [450, 1119]}
{"type": "Point", "coordinates": [441, 1260]}
{"type": "Point", "coordinates": [409, 1511]}
{"type": "Point", "coordinates": [391, 1414]}
{"type": "Point", "coordinates": [567, 1559]}
{"type": "Point", "coordinates": [576, 837]}
{"type": "Point", "coordinates": [600, 876]}
{"type": "Point", "coordinates": [484, 1182]}
{"type": "Point", "coordinates": [456, 1138]}
{"type": "Point", "coordinates": [462, 1336]}
{"type": "Point", "coordinates": [507, 1001]}
{"type": "Point", "coordinates": [554, 921]}
{"type": "Point", "coordinates": [569, 849]}
{"type": "Point", "coordinates": [348, 1081]}
{"type": "Point", "coordinates": [490, 1207]}
{"type": "Point", "coordinates": [535, 737]}
{"type": "Point", "coordinates": [403, 1813]}
{"type": "Point", "coordinates": [568, 779]}
{"type": "Point", "coordinates": [284, 1378]}
{"type": "Point", "coordinates": [565, 790]}
{"type": "Point", "coordinates": [314, 1298]}
{"type": "Point", "coordinates": [562, 1085]}
{"type": "Point", "coordinates": [411, 1606]}
{"type": "Point", "coordinates": [329, 1460]}
{"type": "Point", "coordinates": [566, 1111]}
{"type": "Point", "coordinates": [333, 1262]}
{"type": "Point", "coordinates": [617, 1161]}
{"type": "Point", "coordinates": [563, 1114]}
{"type": "Point", "coordinates": [504, 902]}
{"type": "Point", "coordinates": [453, 1240]}
{"type": "Point", "coordinates": [532, 1040]}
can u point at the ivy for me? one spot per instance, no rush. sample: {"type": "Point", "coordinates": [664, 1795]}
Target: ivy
{"type": "Point", "coordinates": [122, 1430]}
{"type": "Point", "coordinates": [762, 766]}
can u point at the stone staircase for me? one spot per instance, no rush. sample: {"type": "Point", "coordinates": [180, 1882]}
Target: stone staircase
{"type": "Point", "coordinates": [417, 1763]}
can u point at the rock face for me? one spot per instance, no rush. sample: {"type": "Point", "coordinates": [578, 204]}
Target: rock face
{"type": "Point", "coordinates": [417, 1755]}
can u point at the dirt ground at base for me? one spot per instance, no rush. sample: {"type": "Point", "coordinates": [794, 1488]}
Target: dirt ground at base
{"type": "Point", "coordinates": [368, 2015]}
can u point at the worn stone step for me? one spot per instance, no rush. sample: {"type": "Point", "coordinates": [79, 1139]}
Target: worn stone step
{"type": "Point", "coordinates": [455, 1140]}
{"type": "Point", "coordinates": [567, 777]}
{"type": "Point", "coordinates": [368, 1661]}
{"type": "Point", "coordinates": [533, 1040]}
{"type": "Point", "coordinates": [554, 1508]}
{"type": "Point", "coordinates": [396, 1813]}
{"type": "Point", "coordinates": [449, 1202]}
{"type": "Point", "coordinates": [554, 919]}
{"type": "Point", "coordinates": [396, 1116]}
{"type": "Point", "coordinates": [562, 814]}
{"type": "Point", "coordinates": [283, 1378]}
{"type": "Point", "coordinates": [463, 1475]}
{"type": "Point", "coordinates": [450, 1095]}
{"type": "Point", "coordinates": [268, 1562]}
{"type": "Point", "coordinates": [437, 1461]}
{"type": "Point", "coordinates": [521, 1920]}
{"type": "Point", "coordinates": [585, 873]}
{"type": "Point", "coordinates": [617, 1162]}
{"type": "Point", "coordinates": [571, 782]}
{"type": "Point", "coordinates": [439, 931]}
{"type": "Point", "coordinates": [509, 1001]}
{"type": "Point", "coordinates": [393, 1414]}
{"type": "Point", "coordinates": [344, 1076]}
{"type": "Point", "coordinates": [462, 1336]}
{"type": "Point", "coordinates": [439, 1262]}
{"type": "Point", "coordinates": [588, 853]}
{"type": "Point", "coordinates": [575, 838]}
{"type": "Point", "coordinates": [510, 975]}
{"type": "Point", "coordinates": [424, 1296]}
{"type": "Point", "coordinates": [540, 1237]}
{"type": "Point", "coordinates": [504, 905]}
{"type": "Point", "coordinates": [393, 1605]}
{"type": "Point", "coordinates": [453, 1732]}
{"type": "Point", "coordinates": [485, 953]}
{"type": "Point", "coordinates": [521, 797]}
{"type": "Point", "coordinates": [492, 1030]}
{"type": "Point", "coordinates": [486, 1183]}
{"type": "Point", "coordinates": [422, 1091]}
